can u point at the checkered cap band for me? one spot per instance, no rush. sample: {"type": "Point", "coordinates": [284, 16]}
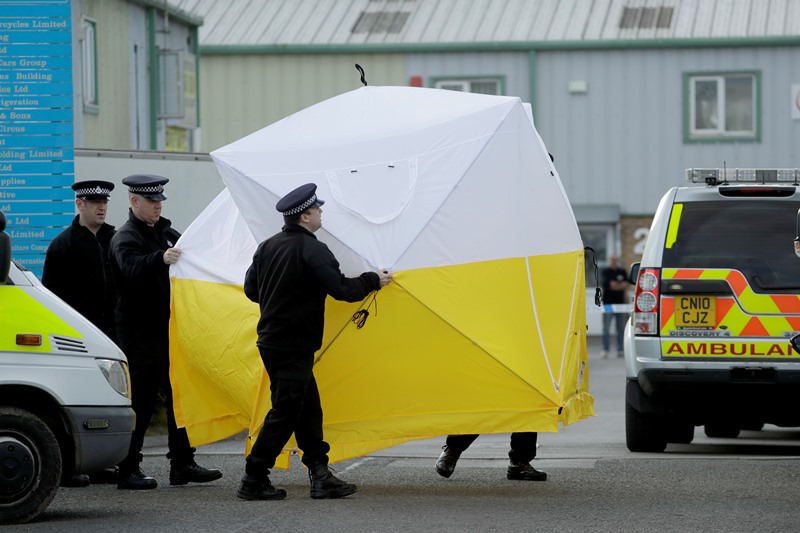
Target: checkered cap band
{"type": "Point", "coordinates": [302, 207]}
{"type": "Point", "coordinates": [93, 191]}
{"type": "Point", "coordinates": [149, 189]}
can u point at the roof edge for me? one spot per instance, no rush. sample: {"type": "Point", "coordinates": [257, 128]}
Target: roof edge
{"type": "Point", "coordinates": [507, 46]}
{"type": "Point", "coordinates": [180, 14]}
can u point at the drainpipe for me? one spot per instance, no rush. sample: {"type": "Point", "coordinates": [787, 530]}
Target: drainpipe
{"type": "Point", "coordinates": [152, 59]}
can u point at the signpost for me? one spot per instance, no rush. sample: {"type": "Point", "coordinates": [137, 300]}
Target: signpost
{"type": "Point", "coordinates": [36, 125]}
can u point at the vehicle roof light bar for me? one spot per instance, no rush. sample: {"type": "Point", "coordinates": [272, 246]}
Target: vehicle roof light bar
{"type": "Point", "coordinates": [720, 176]}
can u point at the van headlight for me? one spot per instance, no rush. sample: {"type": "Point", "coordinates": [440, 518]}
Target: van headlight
{"type": "Point", "coordinates": [116, 373]}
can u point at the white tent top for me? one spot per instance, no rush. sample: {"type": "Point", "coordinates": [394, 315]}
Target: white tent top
{"type": "Point", "coordinates": [403, 171]}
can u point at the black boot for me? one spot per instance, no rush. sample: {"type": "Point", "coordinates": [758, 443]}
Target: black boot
{"type": "Point", "coordinates": [325, 485]}
{"type": "Point", "coordinates": [107, 476]}
{"type": "Point", "coordinates": [135, 480]}
{"type": "Point", "coordinates": [525, 472]}
{"type": "Point", "coordinates": [447, 460]}
{"type": "Point", "coordinates": [253, 488]}
{"type": "Point", "coordinates": [192, 472]}
{"type": "Point", "coordinates": [76, 480]}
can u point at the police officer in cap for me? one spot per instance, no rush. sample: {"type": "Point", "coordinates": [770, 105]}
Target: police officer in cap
{"type": "Point", "coordinates": [291, 275]}
{"type": "Point", "coordinates": [141, 253]}
{"type": "Point", "coordinates": [77, 268]}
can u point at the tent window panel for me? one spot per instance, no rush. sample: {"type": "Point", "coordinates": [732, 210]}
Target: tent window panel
{"type": "Point", "coordinates": [723, 106]}
{"type": "Point", "coordinates": [89, 64]}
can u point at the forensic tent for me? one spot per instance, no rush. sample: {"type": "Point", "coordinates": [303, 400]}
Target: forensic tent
{"type": "Point", "coordinates": [483, 329]}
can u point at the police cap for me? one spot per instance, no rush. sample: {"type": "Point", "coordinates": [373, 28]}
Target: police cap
{"type": "Point", "coordinates": [93, 189]}
{"type": "Point", "coordinates": [300, 199]}
{"type": "Point", "coordinates": [148, 185]}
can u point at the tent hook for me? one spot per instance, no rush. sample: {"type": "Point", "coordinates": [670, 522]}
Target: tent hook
{"type": "Point", "coordinates": [361, 70]}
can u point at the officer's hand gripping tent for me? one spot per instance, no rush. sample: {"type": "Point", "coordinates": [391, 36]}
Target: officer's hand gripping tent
{"type": "Point", "coordinates": [483, 328]}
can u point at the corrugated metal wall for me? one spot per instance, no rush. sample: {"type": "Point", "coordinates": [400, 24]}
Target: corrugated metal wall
{"type": "Point", "coordinates": [622, 141]}
{"type": "Point", "coordinates": [108, 127]}
{"type": "Point", "coordinates": [240, 94]}
{"type": "Point", "coordinates": [512, 67]}
{"type": "Point", "coordinates": [328, 22]}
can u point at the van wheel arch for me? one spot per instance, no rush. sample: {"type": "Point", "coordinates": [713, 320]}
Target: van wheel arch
{"type": "Point", "coordinates": [31, 461]}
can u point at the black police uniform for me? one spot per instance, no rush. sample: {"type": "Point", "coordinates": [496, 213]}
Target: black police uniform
{"type": "Point", "coordinates": [290, 277]}
{"type": "Point", "coordinates": [142, 319]}
{"type": "Point", "coordinates": [523, 445]}
{"type": "Point", "coordinates": [77, 267]}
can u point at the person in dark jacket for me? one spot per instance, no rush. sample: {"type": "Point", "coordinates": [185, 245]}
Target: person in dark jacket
{"type": "Point", "coordinates": [141, 253]}
{"type": "Point", "coordinates": [291, 275]}
{"type": "Point", "coordinates": [76, 265]}
{"type": "Point", "coordinates": [77, 268]}
{"type": "Point", "coordinates": [615, 283]}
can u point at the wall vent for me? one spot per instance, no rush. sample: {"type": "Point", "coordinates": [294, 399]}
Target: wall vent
{"type": "Point", "coordinates": [68, 344]}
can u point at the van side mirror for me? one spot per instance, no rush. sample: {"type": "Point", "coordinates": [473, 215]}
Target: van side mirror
{"type": "Point", "coordinates": [634, 275]}
{"type": "Point", "coordinates": [5, 250]}
{"type": "Point", "coordinates": [795, 342]}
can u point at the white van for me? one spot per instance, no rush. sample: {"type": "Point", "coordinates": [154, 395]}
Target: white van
{"type": "Point", "coordinates": [64, 393]}
{"type": "Point", "coordinates": [717, 302]}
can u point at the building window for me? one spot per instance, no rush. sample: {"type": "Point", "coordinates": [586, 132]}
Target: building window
{"type": "Point", "coordinates": [601, 238]}
{"type": "Point", "coordinates": [171, 79]}
{"type": "Point", "coordinates": [471, 85]}
{"type": "Point", "coordinates": [723, 106]}
{"type": "Point", "coordinates": [89, 63]}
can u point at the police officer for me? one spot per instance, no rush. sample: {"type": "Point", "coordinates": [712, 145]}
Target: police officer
{"type": "Point", "coordinates": [291, 275]}
{"type": "Point", "coordinates": [77, 268]}
{"type": "Point", "coordinates": [141, 253]}
{"type": "Point", "coordinates": [76, 265]}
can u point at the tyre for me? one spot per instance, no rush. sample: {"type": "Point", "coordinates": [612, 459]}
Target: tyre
{"type": "Point", "coordinates": [30, 465]}
{"type": "Point", "coordinates": [644, 432]}
{"type": "Point", "coordinates": [722, 431]}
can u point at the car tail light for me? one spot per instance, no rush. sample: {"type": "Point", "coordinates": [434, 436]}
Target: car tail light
{"type": "Point", "coordinates": [645, 302]}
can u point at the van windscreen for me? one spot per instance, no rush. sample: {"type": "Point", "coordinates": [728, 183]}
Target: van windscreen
{"type": "Point", "coordinates": [752, 236]}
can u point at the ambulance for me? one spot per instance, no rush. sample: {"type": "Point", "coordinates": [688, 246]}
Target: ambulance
{"type": "Point", "coordinates": [716, 304]}
{"type": "Point", "coordinates": [65, 403]}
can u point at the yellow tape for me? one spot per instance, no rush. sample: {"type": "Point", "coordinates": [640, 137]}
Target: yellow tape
{"type": "Point", "coordinates": [21, 313]}
{"type": "Point", "coordinates": [674, 221]}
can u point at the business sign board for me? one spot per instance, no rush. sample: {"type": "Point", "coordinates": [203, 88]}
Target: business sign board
{"type": "Point", "coordinates": [36, 125]}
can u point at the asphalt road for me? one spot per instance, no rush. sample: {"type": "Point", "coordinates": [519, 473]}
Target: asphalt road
{"type": "Point", "coordinates": [595, 484]}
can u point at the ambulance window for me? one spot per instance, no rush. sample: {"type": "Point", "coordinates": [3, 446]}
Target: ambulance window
{"type": "Point", "coordinates": [754, 237]}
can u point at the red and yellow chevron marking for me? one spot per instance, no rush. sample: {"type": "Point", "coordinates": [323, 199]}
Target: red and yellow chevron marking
{"type": "Point", "coordinates": [746, 314]}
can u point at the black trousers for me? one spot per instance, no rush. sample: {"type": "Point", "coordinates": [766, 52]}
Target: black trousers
{"type": "Point", "coordinates": [149, 367]}
{"type": "Point", "coordinates": [296, 408]}
{"type": "Point", "coordinates": [523, 445]}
